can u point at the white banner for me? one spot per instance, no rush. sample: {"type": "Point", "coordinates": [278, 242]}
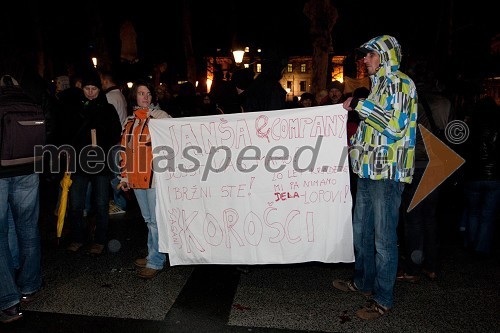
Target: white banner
{"type": "Point", "coordinates": [254, 188]}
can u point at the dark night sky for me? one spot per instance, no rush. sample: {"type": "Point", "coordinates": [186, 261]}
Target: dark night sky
{"type": "Point", "coordinates": [66, 26]}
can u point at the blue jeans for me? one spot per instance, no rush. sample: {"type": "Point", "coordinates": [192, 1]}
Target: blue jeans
{"type": "Point", "coordinates": [374, 225]}
{"type": "Point", "coordinates": [13, 243]}
{"type": "Point", "coordinates": [77, 199]}
{"type": "Point", "coordinates": [21, 194]}
{"type": "Point", "coordinates": [88, 199]}
{"type": "Point", "coordinates": [146, 198]}
{"type": "Point", "coordinates": [483, 202]}
{"type": "Point", "coordinates": [118, 195]}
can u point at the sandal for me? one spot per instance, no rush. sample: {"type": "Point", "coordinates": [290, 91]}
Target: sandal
{"type": "Point", "coordinates": [348, 285]}
{"type": "Point", "coordinates": [372, 310]}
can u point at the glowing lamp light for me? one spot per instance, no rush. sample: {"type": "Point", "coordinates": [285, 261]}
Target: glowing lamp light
{"type": "Point", "coordinates": [209, 84]}
{"type": "Point", "coordinates": [130, 84]}
{"type": "Point", "coordinates": [94, 62]}
{"type": "Point", "coordinates": [238, 56]}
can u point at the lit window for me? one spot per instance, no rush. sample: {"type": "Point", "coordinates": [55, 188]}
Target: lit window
{"type": "Point", "coordinates": [289, 84]}
{"type": "Point", "coordinates": [259, 68]}
{"type": "Point", "coordinates": [289, 68]}
{"type": "Point", "coordinates": [302, 68]}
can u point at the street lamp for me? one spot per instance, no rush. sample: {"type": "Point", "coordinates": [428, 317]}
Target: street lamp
{"type": "Point", "coordinates": [238, 56]}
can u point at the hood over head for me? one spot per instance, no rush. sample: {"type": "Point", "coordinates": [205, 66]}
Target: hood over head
{"type": "Point", "coordinates": [388, 49]}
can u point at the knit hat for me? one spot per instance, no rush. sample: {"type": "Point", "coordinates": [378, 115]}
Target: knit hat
{"type": "Point", "coordinates": [91, 79]}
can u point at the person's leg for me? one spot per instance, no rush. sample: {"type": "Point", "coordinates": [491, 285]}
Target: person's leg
{"type": "Point", "coordinates": [431, 232]}
{"type": "Point", "coordinates": [386, 198]}
{"type": "Point", "coordinates": [118, 196]}
{"type": "Point", "coordinates": [462, 223]}
{"type": "Point", "coordinates": [142, 201]}
{"type": "Point", "coordinates": [77, 197]}
{"type": "Point", "coordinates": [414, 240]}
{"type": "Point", "coordinates": [25, 206]}
{"type": "Point", "coordinates": [413, 228]}
{"type": "Point", "coordinates": [147, 203]}
{"type": "Point", "coordinates": [473, 201]}
{"type": "Point", "coordinates": [156, 259]}
{"type": "Point", "coordinates": [13, 243]}
{"type": "Point", "coordinates": [353, 178]}
{"type": "Point", "coordinates": [363, 237]}
{"type": "Point", "coordinates": [490, 207]}
{"type": "Point", "coordinates": [9, 293]}
{"type": "Point", "coordinates": [100, 186]}
{"type": "Point", "coordinates": [88, 200]}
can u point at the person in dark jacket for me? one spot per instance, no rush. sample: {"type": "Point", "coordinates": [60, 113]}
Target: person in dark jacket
{"type": "Point", "coordinates": [482, 177]}
{"type": "Point", "coordinates": [242, 79]}
{"type": "Point", "coordinates": [19, 207]}
{"type": "Point", "coordinates": [265, 93]}
{"type": "Point", "coordinates": [91, 128]}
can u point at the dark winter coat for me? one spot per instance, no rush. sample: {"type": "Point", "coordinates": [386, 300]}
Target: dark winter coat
{"type": "Point", "coordinates": [79, 117]}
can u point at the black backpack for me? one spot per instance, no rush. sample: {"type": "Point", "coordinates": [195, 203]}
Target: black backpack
{"type": "Point", "coordinates": [22, 125]}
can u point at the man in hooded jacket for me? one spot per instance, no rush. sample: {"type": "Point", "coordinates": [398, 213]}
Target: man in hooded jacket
{"type": "Point", "coordinates": [382, 156]}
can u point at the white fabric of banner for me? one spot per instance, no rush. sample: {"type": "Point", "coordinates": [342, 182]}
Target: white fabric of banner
{"type": "Point", "coordinates": [254, 188]}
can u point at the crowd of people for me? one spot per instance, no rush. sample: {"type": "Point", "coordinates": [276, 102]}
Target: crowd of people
{"type": "Point", "coordinates": [91, 114]}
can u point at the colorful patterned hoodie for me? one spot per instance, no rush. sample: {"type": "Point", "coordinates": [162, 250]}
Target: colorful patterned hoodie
{"type": "Point", "coordinates": [383, 146]}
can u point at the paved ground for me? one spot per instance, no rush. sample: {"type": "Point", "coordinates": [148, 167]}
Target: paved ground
{"type": "Point", "coordinates": [84, 294]}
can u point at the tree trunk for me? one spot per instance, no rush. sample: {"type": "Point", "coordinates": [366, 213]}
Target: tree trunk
{"type": "Point", "coordinates": [188, 44]}
{"type": "Point", "coordinates": [323, 16]}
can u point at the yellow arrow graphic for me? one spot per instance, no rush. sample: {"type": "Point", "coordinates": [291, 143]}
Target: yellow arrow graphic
{"type": "Point", "coordinates": [443, 162]}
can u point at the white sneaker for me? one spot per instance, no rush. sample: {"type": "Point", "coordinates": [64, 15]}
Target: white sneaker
{"type": "Point", "coordinates": [115, 209]}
